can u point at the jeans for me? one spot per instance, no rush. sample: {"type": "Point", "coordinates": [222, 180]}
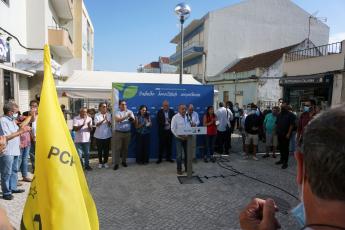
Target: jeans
{"type": "Point", "coordinates": [32, 154]}
{"type": "Point", "coordinates": [103, 146]}
{"type": "Point", "coordinates": [181, 149]}
{"type": "Point", "coordinates": [84, 150]}
{"type": "Point", "coordinates": [23, 160]}
{"type": "Point", "coordinates": [9, 170]}
{"type": "Point", "coordinates": [210, 142]}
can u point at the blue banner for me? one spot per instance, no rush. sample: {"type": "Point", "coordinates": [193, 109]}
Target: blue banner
{"type": "Point", "coordinates": [153, 95]}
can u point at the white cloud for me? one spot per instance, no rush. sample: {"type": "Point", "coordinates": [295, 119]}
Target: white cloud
{"type": "Point", "coordinates": [338, 37]}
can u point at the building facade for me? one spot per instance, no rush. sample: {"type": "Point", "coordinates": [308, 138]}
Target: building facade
{"type": "Point", "coordinates": [255, 78]}
{"type": "Point", "coordinates": [315, 73]}
{"type": "Point", "coordinates": [160, 66]}
{"type": "Point", "coordinates": [248, 28]}
{"type": "Point", "coordinates": [33, 23]}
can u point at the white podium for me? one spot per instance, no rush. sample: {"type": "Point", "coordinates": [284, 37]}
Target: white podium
{"type": "Point", "coordinates": [190, 132]}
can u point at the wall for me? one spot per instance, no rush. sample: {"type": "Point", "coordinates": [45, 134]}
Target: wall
{"type": "Point", "coordinates": [13, 19]}
{"type": "Point", "coordinates": [36, 22]}
{"type": "Point", "coordinates": [269, 89]}
{"type": "Point", "coordinates": [257, 26]}
{"type": "Point", "coordinates": [249, 88]}
{"type": "Point", "coordinates": [338, 82]}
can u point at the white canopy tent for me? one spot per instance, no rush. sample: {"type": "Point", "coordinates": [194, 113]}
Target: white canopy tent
{"type": "Point", "coordinates": [98, 84]}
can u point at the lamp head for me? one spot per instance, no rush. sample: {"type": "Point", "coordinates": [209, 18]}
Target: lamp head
{"type": "Point", "coordinates": [182, 10]}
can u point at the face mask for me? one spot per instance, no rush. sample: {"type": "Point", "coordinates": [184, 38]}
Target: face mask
{"type": "Point", "coordinates": [306, 108]}
{"type": "Point", "coordinates": [299, 211]}
{"type": "Point", "coordinates": [257, 113]}
{"type": "Point", "coordinates": [15, 115]}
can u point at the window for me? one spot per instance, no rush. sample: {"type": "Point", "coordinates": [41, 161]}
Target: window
{"type": "Point", "coordinates": [7, 2]}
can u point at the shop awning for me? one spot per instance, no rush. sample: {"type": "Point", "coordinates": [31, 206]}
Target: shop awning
{"type": "Point", "coordinates": [16, 70]}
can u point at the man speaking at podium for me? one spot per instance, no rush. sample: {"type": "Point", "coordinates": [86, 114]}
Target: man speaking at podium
{"type": "Point", "coordinates": [178, 123]}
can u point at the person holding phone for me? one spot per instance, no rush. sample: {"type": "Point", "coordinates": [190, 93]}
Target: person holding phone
{"type": "Point", "coordinates": [123, 120]}
{"type": "Point", "coordinates": [143, 128]}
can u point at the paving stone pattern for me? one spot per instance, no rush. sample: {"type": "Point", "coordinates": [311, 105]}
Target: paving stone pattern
{"type": "Point", "coordinates": [151, 197]}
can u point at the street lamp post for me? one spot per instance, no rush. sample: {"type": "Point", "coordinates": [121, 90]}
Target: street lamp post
{"type": "Point", "coordinates": [183, 11]}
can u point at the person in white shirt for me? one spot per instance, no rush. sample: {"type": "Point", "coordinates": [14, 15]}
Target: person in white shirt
{"type": "Point", "coordinates": [224, 116]}
{"type": "Point", "coordinates": [123, 121]}
{"type": "Point", "coordinates": [194, 121]}
{"type": "Point", "coordinates": [82, 125]}
{"type": "Point", "coordinates": [103, 134]}
{"type": "Point", "coordinates": [180, 121]}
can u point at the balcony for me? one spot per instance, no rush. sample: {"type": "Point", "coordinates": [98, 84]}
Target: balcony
{"type": "Point", "coordinates": [191, 51]}
{"type": "Point", "coordinates": [60, 41]}
{"type": "Point", "coordinates": [315, 60]}
{"type": "Point", "coordinates": [63, 8]}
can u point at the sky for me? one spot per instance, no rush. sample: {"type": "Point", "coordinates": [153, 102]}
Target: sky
{"type": "Point", "coordinates": [133, 32]}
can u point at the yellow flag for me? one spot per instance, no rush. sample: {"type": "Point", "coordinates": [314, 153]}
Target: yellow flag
{"type": "Point", "coordinates": [59, 197]}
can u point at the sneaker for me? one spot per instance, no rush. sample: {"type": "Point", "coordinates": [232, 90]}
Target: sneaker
{"type": "Point", "coordinates": [116, 167]}
{"type": "Point", "coordinates": [159, 161]}
{"type": "Point", "coordinates": [124, 164]}
{"type": "Point", "coordinates": [88, 168]}
{"type": "Point", "coordinates": [266, 155]}
{"type": "Point", "coordinates": [205, 160]}
{"type": "Point", "coordinates": [8, 197]}
{"type": "Point", "coordinates": [245, 157]}
{"type": "Point", "coordinates": [18, 191]}
{"type": "Point", "coordinates": [169, 160]}
{"type": "Point", "coordinates": [100, 166]}
{"type": "Point", "coordinates": [255, 158]}
{"type": "Point", "coordinates": [106, 165]}
{"type": "Point", "coordinates": [179, 172]}
{"type": "Point", "coordinates": [27, 179]}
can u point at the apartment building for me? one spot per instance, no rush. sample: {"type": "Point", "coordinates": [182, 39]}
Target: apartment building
{"type": "Point", "coordinates": [63, 24]}
{"type": "Point", "coordinates": [222, 37]}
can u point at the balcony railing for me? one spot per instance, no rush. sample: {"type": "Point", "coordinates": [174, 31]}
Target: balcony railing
{"type": "Point", "coordinates": [62, 28]}
{"type": "Point", "coordinates": [334, 48]}
{"type": "Point", "coordinates": [190, 50]}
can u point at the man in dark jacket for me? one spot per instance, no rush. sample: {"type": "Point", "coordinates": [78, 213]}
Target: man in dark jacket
{"type": "Point", "coordinates": [251, 124]}
{"type": "Point", "coordinates": [164, 117]}
{"type": "Point", "coordinates": [284, 126]}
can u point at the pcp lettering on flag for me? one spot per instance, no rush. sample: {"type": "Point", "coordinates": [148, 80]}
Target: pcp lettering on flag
{"type": "Point", "coordinates": [64, 156]}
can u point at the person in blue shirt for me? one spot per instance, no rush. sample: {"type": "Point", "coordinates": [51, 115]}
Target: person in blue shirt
{"type": "Point", "coordinates": [270, 131]}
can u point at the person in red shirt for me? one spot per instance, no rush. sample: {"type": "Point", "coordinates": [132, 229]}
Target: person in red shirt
{"type": "Point", "coordinates": [210, 122]}
{"type": "Point", "coordinates": [305, 118]}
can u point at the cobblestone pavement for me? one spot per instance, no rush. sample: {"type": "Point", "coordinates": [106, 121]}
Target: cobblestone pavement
{"type": "Point", "coordinates": [151, 197]}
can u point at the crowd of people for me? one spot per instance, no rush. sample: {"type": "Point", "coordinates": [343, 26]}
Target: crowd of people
{"type": "Point", "coordinates": [317, 140]}
{"type": "Point", "coordinates": [276, 127]}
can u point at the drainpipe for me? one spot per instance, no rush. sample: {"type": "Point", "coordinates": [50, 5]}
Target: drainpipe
{"type": "Point", "coordinates": [204, 81]}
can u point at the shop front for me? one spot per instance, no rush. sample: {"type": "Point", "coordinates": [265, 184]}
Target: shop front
{"type": "Point", "coordinates": [298, 89]}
